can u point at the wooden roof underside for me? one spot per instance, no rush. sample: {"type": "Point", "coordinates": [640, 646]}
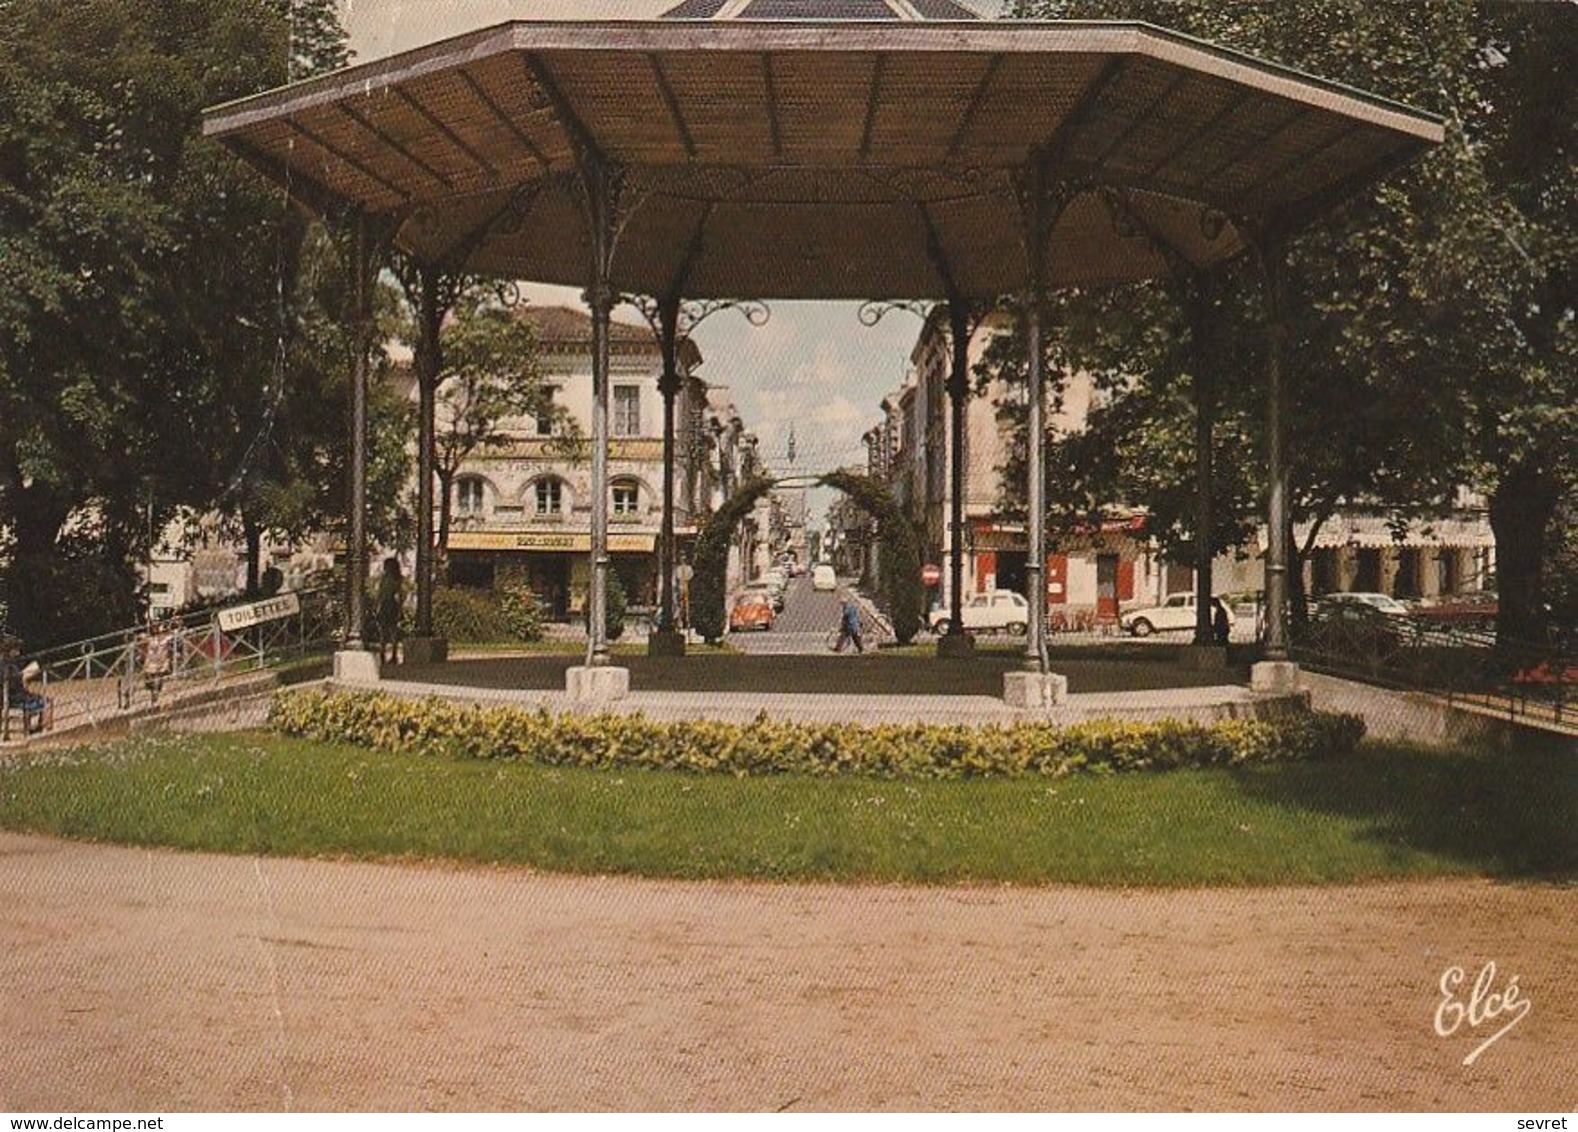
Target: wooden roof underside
{"type": "Point", "coordinates": [797, 160]}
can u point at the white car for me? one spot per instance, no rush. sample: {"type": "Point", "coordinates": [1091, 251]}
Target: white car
{"type": "Point", "coordinates": [1174, 615]}
{"type": "Point", "coordinates": [1000, 611]}
{"type": "Point", "coordinates": [823, 578]}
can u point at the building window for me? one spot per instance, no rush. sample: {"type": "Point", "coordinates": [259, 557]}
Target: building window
{"type": "Point", "coordinates": [625, 499]}
{"type": "Point", "coordinates": [545, 417]}
{"type": "Point", "coordinates": [627, 410]}
{"type": "Point", "coordinates": [468, 497]}
{"type": "Point", "coordinates": [549, 497]}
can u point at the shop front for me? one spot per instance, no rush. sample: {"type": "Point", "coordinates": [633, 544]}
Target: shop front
{"type": "Point", "coordinates": [556, 564]}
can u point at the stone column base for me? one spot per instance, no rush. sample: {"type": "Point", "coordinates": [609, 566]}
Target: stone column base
{"type": "Point", "coordinates": [1204, 656]}
{"type": "Point", "coordinates": [358, 665]}
{"type": "Point", "coordinates": [955, 646]}
{"type": "Point", "coordinates": [596, 684]}
{"type": "Point", "coordinates": [669, 642]}
{"type": "Point", "coordinates": [1034, 689]}
{"type": "Point", "coordinates": [424, 650]}
{"type": "Point", "coordinates": [1274, 676]}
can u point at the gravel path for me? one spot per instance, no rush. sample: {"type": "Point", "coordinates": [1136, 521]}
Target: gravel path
{"type": "Point", "coordinates": [138, 980]}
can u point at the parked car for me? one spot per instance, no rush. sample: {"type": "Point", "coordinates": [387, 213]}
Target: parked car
{"type": "Point", "coordinates": [1386, 604]}
{"type": "Point", "coordinates": [1355, 629]}
{"type": "Point", "coordinates": [752, 610]}
{"type": "Point", "coordinates": [774, 596]}
{"type": "Point", "coordinates": [1475, 609]}
{"type": "Point", "coordinates": [823, 578]}
{"type": "Point", "coordinates": [1176, 614]}
{"type": "Point", "coordinates": [1000, 611]}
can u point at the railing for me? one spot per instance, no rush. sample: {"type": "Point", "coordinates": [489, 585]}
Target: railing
{"type": "Point", "coordinates": [138, 671]}
{"type": "Point", "coordinates": [1522, 681]}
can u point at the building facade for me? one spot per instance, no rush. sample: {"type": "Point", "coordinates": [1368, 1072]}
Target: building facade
{"type": "Point", "coordinates": [525, 507]}
{"type": "Point", "coordinates": [1092, 574]}
{"type": "Point", "coordinates": [1089, 574]}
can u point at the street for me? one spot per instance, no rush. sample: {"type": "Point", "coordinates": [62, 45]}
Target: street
{"type": "Point", "coordinates": [802, 628]}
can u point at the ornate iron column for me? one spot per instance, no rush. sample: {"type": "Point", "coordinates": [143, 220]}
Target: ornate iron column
{"type": "Point", "coordinates": [668, 385]}
{"type": "Point", "coordinates": [429, 319]}
{"type": "Point", "coordinates": [600, 299]}
{"type": "Point", "coordinates": [356, 537]}
{"type": "Point", "coordinates": [1037, 220]}
{"type": "Point", "coordinates": [671, 319]}
{"type": "Point", "coordinates": [1197, 307]}
{"type": "Point", "coordinates": [960, 327]}
{"type": "Point", "coordinates": [1269, 249]}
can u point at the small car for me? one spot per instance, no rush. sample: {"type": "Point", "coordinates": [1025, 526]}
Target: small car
{"type": "Point", "coordinates": [823, 577]}
{"type": "Point", "coordinates": [1386, 604]}
{"type": "Point", "coordinates": [752, 610]}
{"type": "Point", "coordinates": [1475, 609]}
{"type": "Point", "coordinates": [1176, 614]}
{"type": "Point", "coordinates": [772, 593]}
{"type": "Point", "coordinates": [997, 611]}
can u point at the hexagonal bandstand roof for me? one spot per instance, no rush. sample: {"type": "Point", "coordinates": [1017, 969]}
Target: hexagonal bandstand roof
{"type": "Point", "coordinates": [768, 154]}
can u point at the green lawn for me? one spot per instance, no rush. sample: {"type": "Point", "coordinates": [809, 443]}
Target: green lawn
{"type": "Point", "coordinates": [1386, 811]}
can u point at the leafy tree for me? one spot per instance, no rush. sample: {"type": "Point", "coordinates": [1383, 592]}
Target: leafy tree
{"type": "Point", "coordinates": [141, 261]}
{"type": "Point", "coordinates": [1433, 316]}
{"type": "Point", "coordinates": [489, 378]}
{"type": "Point", "coordinates": [284, 468]}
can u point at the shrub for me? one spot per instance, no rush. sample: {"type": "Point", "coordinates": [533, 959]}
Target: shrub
{"type": "Point", "coordinates": [617, 603]}
{"type": "Point", "coordinates": [768, 746]}
{"type": "Point", "coordinates": [520, 611]}
{"type": "Point", "coordinates": [463, 613]}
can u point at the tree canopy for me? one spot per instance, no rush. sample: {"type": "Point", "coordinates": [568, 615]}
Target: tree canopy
{"type": "Point", "coordinates": [147, 334]}
{"type": "Point", "coordinates": [1432, 328]}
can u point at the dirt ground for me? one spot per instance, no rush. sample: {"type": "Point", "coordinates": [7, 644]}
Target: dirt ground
{"type": "Point", "coordinates": [157, 981]}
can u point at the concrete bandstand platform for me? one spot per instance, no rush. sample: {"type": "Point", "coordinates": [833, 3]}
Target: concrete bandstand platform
{"type": "Point", "coordinates": [867, 689]}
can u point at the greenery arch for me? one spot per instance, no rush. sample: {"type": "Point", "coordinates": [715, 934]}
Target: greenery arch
{"type": "Point", "coordinates": [711, 558]}
{"type": "Point", "coordinates": [899, 559]}
{"type": "Point", "coordinates": [899, 556]}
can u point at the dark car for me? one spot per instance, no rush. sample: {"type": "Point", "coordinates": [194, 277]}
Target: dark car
{"type": "Point", "coordinates": [1475, 609]}
{"type": "Point", "coordinates": [1355, 630]}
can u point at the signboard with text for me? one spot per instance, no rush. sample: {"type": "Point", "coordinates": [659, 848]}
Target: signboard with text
{"type": "Point", "coordinates": [566, 541]}
{"type": "Point", "coordinates": [241, 617]}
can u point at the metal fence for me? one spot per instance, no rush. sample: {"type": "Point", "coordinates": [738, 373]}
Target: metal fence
{"type": "Point", "coordinates": [154, 668]}
{"type": "Point", "coordinates": [1531, 682]}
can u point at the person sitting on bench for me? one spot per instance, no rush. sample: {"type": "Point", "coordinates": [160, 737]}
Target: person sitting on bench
{"type": "Point", "coordinates": [34, 705]}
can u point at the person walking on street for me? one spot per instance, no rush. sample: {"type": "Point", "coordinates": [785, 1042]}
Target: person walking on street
{"type": "Point", "coordinates": [158, 658]}
{"type": "Point", "coordinates": [849, 626]}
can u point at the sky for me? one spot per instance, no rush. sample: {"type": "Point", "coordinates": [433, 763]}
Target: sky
{"type": "Point", "coordinates": [813, 367]}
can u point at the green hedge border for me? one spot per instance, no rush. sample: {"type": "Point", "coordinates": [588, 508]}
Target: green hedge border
{"type": "Point", "coordinates": [445, 728]}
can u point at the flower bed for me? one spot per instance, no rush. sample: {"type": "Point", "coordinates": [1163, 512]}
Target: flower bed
{"type": "Point", "coordinates": [765, 746]}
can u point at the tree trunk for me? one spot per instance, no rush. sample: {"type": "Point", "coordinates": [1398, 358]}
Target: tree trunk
{"type": "Point", "coordinates": [446, 483]}
{"type": "Point", "coordinates": [253, 534]}
{"type": "Point", "coordinates": [36, 519]}
{"type": "Point", "coordinates": [1520, 514]}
